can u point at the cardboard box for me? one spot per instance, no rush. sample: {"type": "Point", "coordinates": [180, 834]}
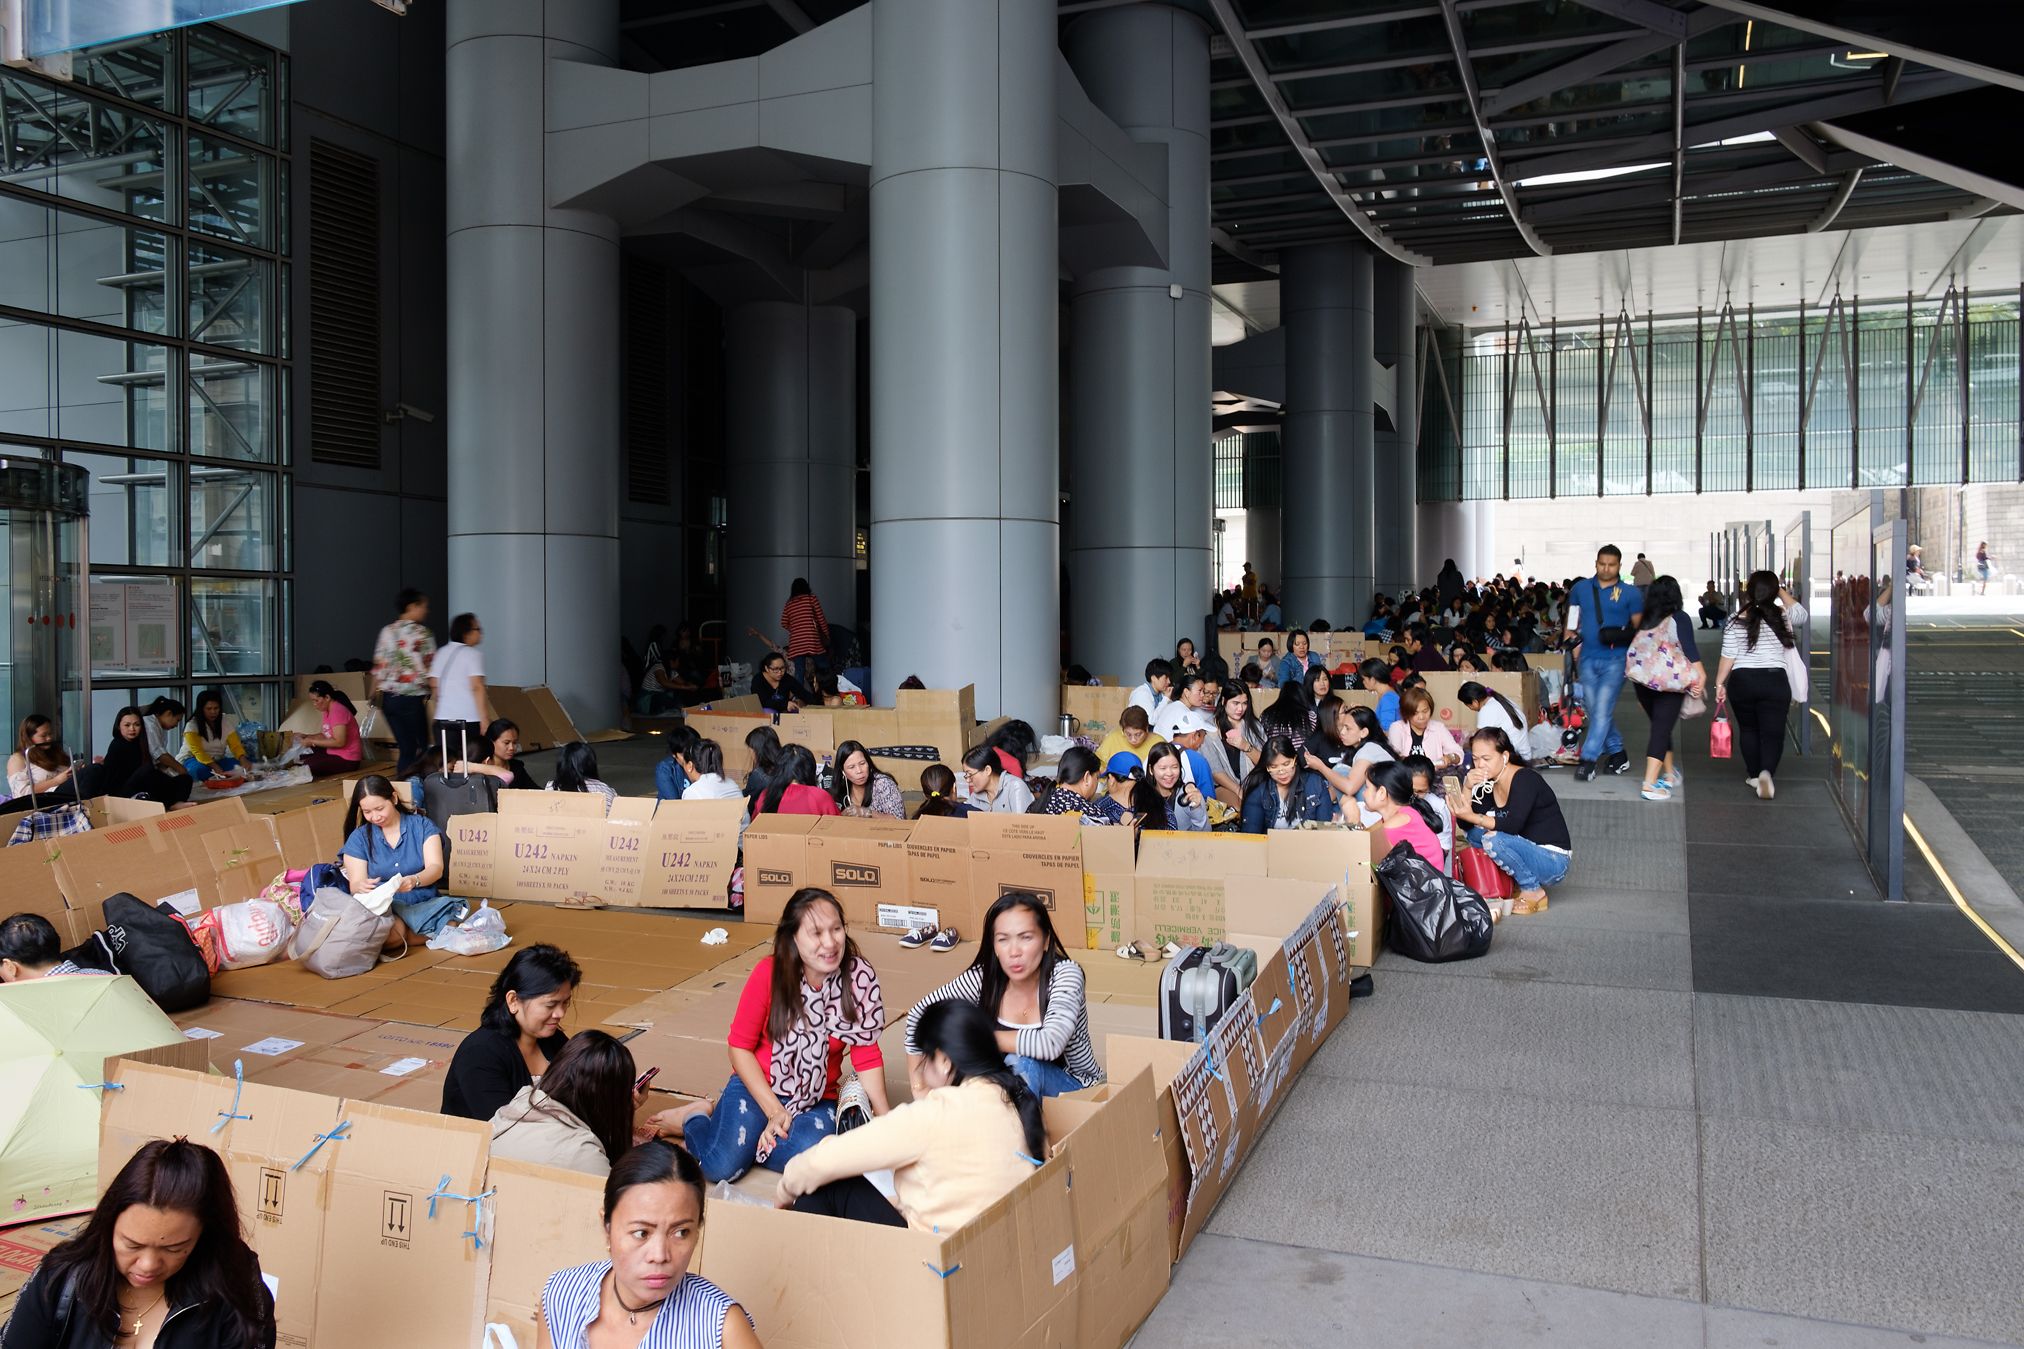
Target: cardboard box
{"type": "Point", "coordinates": [728, 730]}
{"type": "Point", "coordinates": [812, 728]}
{"type": "Point", "coordinates": [938, 873]}
{"type": "Point", "coordinates": [534, 709]}
{"type": "Point", "coordinates": [107, 811]}
{"type": "Point", "coordinates": [691, 851]}
{"type": "Point", "coordinates": [864, 864]}
{"type": "Point", "coordinates": [22, 1249]}
{"type": "Point", "coordinates": [1109, 889]}
{"type": "Point", "coordinates": [312, 833]}
{"type": "Point", "coordinates": [199, 858]}
{"type": "Point", "coordinates": [28, 880]}
{"type": "Point", "coordinates": [1040, 854]}
{"type": "Point", "coordinates": [777, 863]}
{"type": "Point", "coordinates": [1095, 708]}
{"type": "Point", "coordinates": [1340, 858]}
{"type": "Point", "coordinates": [545, 1219]}
{"type": "Point", "coordinates": [1442, 686]}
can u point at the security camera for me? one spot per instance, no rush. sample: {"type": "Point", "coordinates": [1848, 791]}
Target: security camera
{"type": "Point", "coordinates": [401, 411]}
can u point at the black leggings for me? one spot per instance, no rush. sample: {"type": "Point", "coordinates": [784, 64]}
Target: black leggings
{"type": "Point", "coordinates": [1761, 699]}
{"type": "Point", "coordinates": [1664, 711]}
{"type": "Point", "coordinates": [853, 1197]}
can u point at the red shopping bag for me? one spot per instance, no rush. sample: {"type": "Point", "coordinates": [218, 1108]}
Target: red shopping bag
{"type": "Point", "coordinates": [1721, 736]}
{"type": "Point", "coordinates": [1474, 869]}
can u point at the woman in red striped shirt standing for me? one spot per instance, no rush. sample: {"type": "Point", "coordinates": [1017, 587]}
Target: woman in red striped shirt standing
{"type": "Point", "coordinates": [807, 629]}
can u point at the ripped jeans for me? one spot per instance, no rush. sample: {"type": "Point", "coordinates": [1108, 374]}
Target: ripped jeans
{"type": "Point", "coordinates": [725, 1142]}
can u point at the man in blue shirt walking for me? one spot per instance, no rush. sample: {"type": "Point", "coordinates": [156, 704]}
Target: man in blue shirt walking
{"type": "Point", "coordinates": [1602, 617]}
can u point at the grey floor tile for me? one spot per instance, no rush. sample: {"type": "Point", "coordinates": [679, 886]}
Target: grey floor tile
{"type": "Point", "coordinates": [1638, 823]}
{"type": "Point", "coordinates": [1571, 1042]}
{"type": "Point", "coordinates": [1235, 1292]}
{"type": "Point", "coordinates": [1537, 948]}
{"type": "Point", "coordinates": [1601, 1196]}
{"type": "Point", "coordinates": [1817, 866]}
{"type": "Point", "coordinates": [1909, 1070]}
{"type": "Point", "coordinates": [1878, 1229]}
{"type": "Point", "coordinates": [1626, 863]}
{"type": "Point", "coordinates": [1603, 906]}
{"type": "Point", "coordinates": [1733, 1328]}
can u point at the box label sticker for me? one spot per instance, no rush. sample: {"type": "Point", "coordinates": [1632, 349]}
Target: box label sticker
{"type": "Point", "coordinates": [843, 875]}
{"type": "Point", "coordinates": [199, 1033]}
{"type": "Point", "coordinates": [402, 1067]}
{"type": "Point", "coordinates": [184, 902]}
{"type": "Point", "coordinates": [273, 1184]}
{"type": "Point", "coordinates": [908, 916]}
{"type": "Point", "coordinates": [1064, 1263]}
{"type": "Point", "coordinates": [273, 1046]}
{"type": "Point", "coordinates": [396, 1212]}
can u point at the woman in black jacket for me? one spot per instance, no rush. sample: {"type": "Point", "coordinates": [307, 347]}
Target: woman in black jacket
{"type": "Point", "coordinates": [129, 770]}
{"type": "Point", "coordinates": [519, 1031]}
{"type": "Point", "coordinates": [162, 1261]}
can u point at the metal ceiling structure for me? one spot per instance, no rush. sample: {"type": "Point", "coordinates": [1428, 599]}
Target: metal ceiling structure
{"type": "Point", "coordinates": [1475, 131]}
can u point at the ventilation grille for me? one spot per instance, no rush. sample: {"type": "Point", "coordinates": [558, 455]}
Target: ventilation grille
{"type": "Point", "coordinates": [344, 307]}
{"type": "Point", "coordinates": [648, 396]}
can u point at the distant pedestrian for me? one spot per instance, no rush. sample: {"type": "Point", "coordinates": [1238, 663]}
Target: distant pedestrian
{"type": "Point", "coordinates": [1753, 674]}
{"type": "Point", "coordinates": [400, 676]}
{"type": "Point", "coordinates": [1602, 618]}
{"type": "Point", "coordinates": [1642, 572]}
{"type": "Point", "coordinates": [1982, 568]}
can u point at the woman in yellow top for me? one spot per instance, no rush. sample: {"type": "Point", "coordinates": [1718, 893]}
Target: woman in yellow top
{"type": "Point", "coordinates": [973, 1136]}
{"type": "Point", "coordinates": [211, 745]}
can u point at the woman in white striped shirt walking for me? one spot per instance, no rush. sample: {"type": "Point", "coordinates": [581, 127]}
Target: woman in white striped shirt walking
{"type": "Point", "coordinates": [1758, 652]}
{"type": "Point", "coordinates": [644, 1297]}
{"type": "Point", "coordinates": [1025, 978]}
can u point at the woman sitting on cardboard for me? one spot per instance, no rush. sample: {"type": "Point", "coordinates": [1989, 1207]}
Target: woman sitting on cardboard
{"type": "Point", "coordinates": [791, 789]}
{"type": "Point", "coordinates": [501, 748]}
{"type": "Point", "coordinates": [519, 1033]}
{"type": "Point", "coordinates": [1416, 732]}
{"type": "Point", "coordinates": [576, 771]}
{"type": "Point", "coordinates": [385, 839]}
{"type": "Point", "coordinates": [991, 788]}
{"type": "Point", "coordinates": [129, 770]}
{"type": "Point", "coordinates": [802, 1006]}
{"type": "Point", "coordinates": [962, 1144]}
{"type": "Point", "coordinates": [864, 790]}
{"type": "Point", "coordinates": [1163, 800]}
{"type": "Point", "coordinates": [703, 763]}
{"type": "Point", "coordinates": [939, 796]}
{"type": "Point", "coordinates": [653, 1218]}
{"type": "Point", "coordinates": [1025, 978]}
{"type": "Point", "coordinates": [162, 1261]}
{"type": "Point", "coordinates": [335, 748]}
{"type": "Point", "coordinates": [580, 1117]}
{"type": "Point", "coordinates": [211, 745]}
{"type": "Point", "coordinates": [40, 765]}
{"type": "Point", "coordinates": [1279, 794]}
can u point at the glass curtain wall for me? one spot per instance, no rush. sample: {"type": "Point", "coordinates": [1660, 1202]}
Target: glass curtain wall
{"type": "Point", "coordinates": [143, 273]}
{"type": "Point", "coordinates": [1629, 405]}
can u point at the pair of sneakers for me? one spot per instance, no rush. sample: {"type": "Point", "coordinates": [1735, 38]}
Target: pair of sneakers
{"type": "Point", "coordinates": [1617, 763]}
{"type": "Point", "coordinates": [935, 939]}
{"type": "Point", "coordinates": [1665, 786]}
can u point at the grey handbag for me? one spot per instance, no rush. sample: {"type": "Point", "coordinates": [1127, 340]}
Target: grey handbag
{"type": "Point", "coordinates": [339, 936]}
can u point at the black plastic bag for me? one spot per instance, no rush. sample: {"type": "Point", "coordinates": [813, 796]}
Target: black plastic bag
{"type": "Point", "coordinates": [1434, 917]}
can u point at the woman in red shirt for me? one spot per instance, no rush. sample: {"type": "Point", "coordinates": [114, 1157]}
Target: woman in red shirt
{"type": "Point", "coordinates": [791, 788]}
{"type": "Point", "coordinates": [802, 1006]}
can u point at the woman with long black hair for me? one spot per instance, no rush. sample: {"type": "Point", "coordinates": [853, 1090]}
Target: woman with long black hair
{"type": "Point", "coordinates": [1388, 793]}
{"type": "Point", "coordinates": [1292, 714]}
{"type": "Point", "coordinates": [961, 1145]}
{"type": "Point", "coordinates": [162, 1262]}
{"type": "Point", "coordinates": [792, 789]}
{"type": "Point", "coordinates": [1663, 631]}
{"type": "Point", "coordinates": [519, 1032]}
{"type": "Point", "coordinates": [576, 771]}
{"type": "Point", "coordinates": [129, 770]}
{"type": "Point", "coordinates": [1280, 794]}
{"type": "Point", "coordinates": [580, 1117]}
{"type": "Point", "coordinates": [1358, 728]}
{"type": "Point", "coordinates": [1163, 800]}
{"type": "Point", "coordinates": [1754, 676]}
{"type": "Point", "coordinates": [1025, 978]}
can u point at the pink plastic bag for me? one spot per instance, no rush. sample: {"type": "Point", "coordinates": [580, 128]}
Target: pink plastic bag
{"type": "Point", "coordinates": [1721, 736]}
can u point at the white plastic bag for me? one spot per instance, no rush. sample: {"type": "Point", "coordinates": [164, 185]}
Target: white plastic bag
{"type": "Point", "coordinates": [480, 934]}
{"type": "Point", "coordinates": [251, 933]}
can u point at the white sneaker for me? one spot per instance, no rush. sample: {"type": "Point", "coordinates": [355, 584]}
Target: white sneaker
{"type": "Point", "coordinates": [1751, 781]}
{"type": "Point", "coordinates": [1765, 788]}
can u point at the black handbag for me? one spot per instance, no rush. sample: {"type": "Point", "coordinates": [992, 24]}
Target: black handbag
{"type": "Point", "coordinates": [156, 948]}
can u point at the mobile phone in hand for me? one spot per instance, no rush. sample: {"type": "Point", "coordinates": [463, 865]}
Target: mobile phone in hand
{"type": "Point", "coordinates": [640, 1082]}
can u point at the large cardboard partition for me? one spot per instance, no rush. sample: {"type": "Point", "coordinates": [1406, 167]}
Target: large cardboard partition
{"type": "Point", "coordinates": [542, 721]}
{"type": "Point", "coordinates": [1038, 854]}
{"type": "Point", "coordinates": [1237, 648]}
{"type": "Point", "coordinates": [1095, 707]}
{"type": "Point", "coordinates": [556, 846]}
{"type": "Point", "coordinates": [543, 1219]}
{"type": "Point", "coordinates": [1073, 1255]}
{"type": "Point", "coordinates": [777, 863]}
{"type": "Point", "coordinates": [1340, 858]}
{"type": "Point", "coordinates": [211, 854]}
{"type": "Point", "coordinates": [814, 729]}
{"type": "Point", "coordinates": [28, 880]}
{"type": "Point", "coordinates": [1452, 712]}
{"type": "Point", "coordinates": [107, 811]}
{"type": "Point", "coordinates": [1263, 698]}
{"type": "Point", "coordinates": [311, 833]}
{"type": "Point", "coordinates": [1216, 1098]}
{"type": "Point", "coordinates": [1109, 891]}
{"type": "Point", "coordinates": [729, 730]}
{"type": "Point", "coordinates": [864, 864]}
{"type": "Point", "coordinates": [1197, 888]}
{"type": "Point", "coordinates": [382, 1206]}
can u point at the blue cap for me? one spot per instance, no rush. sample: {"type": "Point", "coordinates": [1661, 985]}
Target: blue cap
{"type": "Point", "coordinates": [1123, 764]}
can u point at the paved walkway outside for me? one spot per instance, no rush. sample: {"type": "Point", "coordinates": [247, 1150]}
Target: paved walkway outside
{"type": "Point", "coordinates": [1717, 1095]}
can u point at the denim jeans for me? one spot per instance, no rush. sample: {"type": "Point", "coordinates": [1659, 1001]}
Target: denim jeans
{"type": "Point", "coordinates": [201, 771]}
{"type": "Point", "coordinates": [725, 1142]}
{"type": "Point", "coordinates": [1045, 1078]}
{"type": "Point", "coordinates": [1601, 686]}
{"type": "Point", "coordinates": [1530, 866]}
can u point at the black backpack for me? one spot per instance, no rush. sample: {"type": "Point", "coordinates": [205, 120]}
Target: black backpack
{"type": "Point", "coordinates": [155, 948]}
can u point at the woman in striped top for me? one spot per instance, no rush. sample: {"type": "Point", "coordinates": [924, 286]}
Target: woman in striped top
{"type": "Point", "coordinates": [807, 628]}
{"type": "Point", "coordinates": [1024, 977]}
{"type": "Point", "coordinates": [643, 1297]}
{"type": "Point", "coordinates": [1752, 674]}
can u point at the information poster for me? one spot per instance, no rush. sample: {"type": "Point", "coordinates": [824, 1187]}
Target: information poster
{"type": "Point", "coordinates": [135, 626]}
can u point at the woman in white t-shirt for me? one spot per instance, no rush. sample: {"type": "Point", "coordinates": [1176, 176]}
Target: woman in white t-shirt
{"type": "Point", "coordinates": [1493, 709]}
{"type": "Point", "coordinates": [457, 677]}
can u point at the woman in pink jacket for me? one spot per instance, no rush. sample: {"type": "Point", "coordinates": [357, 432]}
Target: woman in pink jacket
{"type": "Point", "coordinates": [1416, 732]}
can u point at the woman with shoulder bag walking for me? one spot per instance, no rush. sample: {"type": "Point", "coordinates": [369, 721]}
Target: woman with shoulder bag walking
{"type": "Point", "coordinates": [1759, 672]}
{"type": "Point", "coordinates": [1665, 670]}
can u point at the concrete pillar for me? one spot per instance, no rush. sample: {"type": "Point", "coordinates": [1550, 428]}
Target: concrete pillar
{"type": "Point", "coordinates": [533, 337]}
{"type": "Point", "coordinates": [790, 462]}
{"type": "Point", "coordinates": [1261, 536]}
{"type": "Point", "coordinates": [1140, 471]}
{"type": "Point", "coordinates": [965, 360]}
{"type": "Point", "coordinates": [1396, 469]}
{"type": "Point", "coordinates": [1329, 517]}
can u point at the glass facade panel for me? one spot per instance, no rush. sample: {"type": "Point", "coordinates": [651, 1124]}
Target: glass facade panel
{"type": "Point", "coordinates": [232, 409]}
{"type": "Point", "coordinates": [232, 300]}
{"type": "Point", "coordinates": [235, 627]}
{"type": "Point", "coordinates": [136, 628]}
{"type": "Point", "coordinates": [81, 386]}
{"type": "Point", "coordinates": [232, 518]}
{"type": "Point", "coordinates": [79, 266]}
{"type": "Point", "coordinates": [135, 510]}
{"type": "Point", "coordinates": [1727, 399]}
{"type": "Point", "coordinates": [66, 143]}
{"type": "Point", "coordinates": [232, 84]}
{"type": "Point", "coordinates": [231, 192]}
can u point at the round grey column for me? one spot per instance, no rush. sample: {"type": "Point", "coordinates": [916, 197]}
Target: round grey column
{"type": "Point", "coordinates": [1140, 473]}
{"type": "Point", "coordinates": [1328, 520]}
{"type": "Point", "coordinates": [965, 359]}
{"type": "Point", "coordinates": [1396, 448]}
{"type": "Point", "coordinates": [790, 463]}
{"type": "Point", "coordinates": [533, 317]}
